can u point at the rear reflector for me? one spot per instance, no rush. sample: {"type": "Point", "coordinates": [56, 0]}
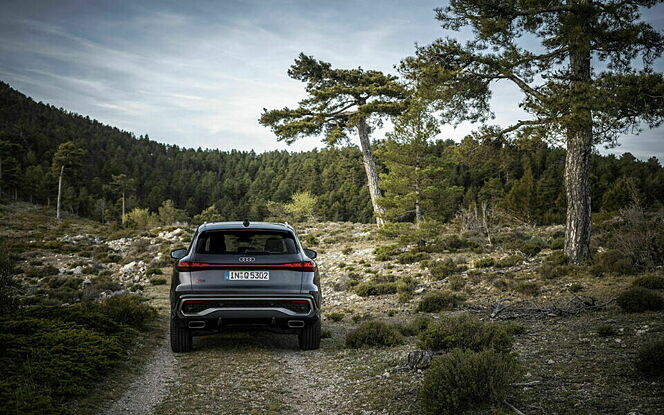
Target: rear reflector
{"type": "Point", "coordinates": [305, 266]}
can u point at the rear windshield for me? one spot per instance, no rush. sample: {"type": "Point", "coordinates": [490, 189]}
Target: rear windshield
{"type": "Point", "coordinates": [256, 242]}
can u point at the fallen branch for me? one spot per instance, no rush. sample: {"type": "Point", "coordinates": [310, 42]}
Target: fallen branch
{"type": "Point", "coordinates": [513, 408]}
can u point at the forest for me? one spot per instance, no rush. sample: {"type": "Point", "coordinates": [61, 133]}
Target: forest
{"type": "Point", "coordinates": [524, 178]}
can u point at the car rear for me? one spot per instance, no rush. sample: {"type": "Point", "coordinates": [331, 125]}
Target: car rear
{"type": "Point", "coordinates": [245, 276]}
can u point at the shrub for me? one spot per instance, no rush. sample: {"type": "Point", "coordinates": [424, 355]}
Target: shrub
{"type": "Point", "coordinates": [8, 285]}
{"type": "Point", "coordinates": [128, 309]}
{"type": "Point", "coordinates": [484, 262]}
{"type": "Point", "coordinates": [510, 261]}
{"type": "Point", "coordinates": [386, 252]}
{"type": "Point", "coordinates": [374, 334]}
{"type": "Point", "coordinates": [443, 269]}
{"type": "Point", "coordinates": [532, 247]}
{"type": "Point", "coordinates": [347, 250]}
{"type": "Point", "coordinates": [465, 332]}
{"type": "Point", "coordinates": [336, 316]}
{"type": "Point", "coordinates": [606, 331]}
{"type": "Point", "coordinates": [557, 243]}
{"type": "Point", "coordinates": [411, 257]}
{"type": "Point", "coordinates": [158, 281]}
{"type": "Point", "coordinates": [549, 271]}
{"type": "Point", "coordinates": [650, 361]}
{"type": "Point", "coordinates": [453, 243]}
{"type": "Point", "coordinates": [153, 271]}
{"type": "Point", "coordinates": [612, 262]}
{"type": "Point", "coordinates": [415, 326]}
{"type": "Point", "coordinates": [325, 334]}
{"type": "Point", "coordinates": [527, 287]}
{"type": "Point", "coordinates": [310, 240]}
{"type": "Point", "coordinates": [639, 299]}
{"type": "Point", "coordinates": [435, 301]}
{"type": "Point", "coordinates": [45, 362]}
{"type": "Point", "coordinates": [405, 288]}
{"type": "Point", "coordinates": [369, 288]}
{"type": "Point", "coordinates": [649, 281]}
{"type": "Point", "coordinates": [456, 282]}
{"type": "Point", "coordinates": [461, 380]}
{"type": "Point", "coordinates": [557, 258]}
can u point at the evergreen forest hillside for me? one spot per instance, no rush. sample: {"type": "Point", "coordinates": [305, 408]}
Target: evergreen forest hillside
{"type": "Point", "coordinates": [523, 178]}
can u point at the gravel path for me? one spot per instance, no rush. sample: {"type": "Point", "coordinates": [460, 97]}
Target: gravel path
{"type": "Point", "coordinates": [147, 390]}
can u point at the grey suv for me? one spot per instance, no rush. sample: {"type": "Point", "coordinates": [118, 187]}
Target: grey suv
{"type": "Point", "coordinates": [245, 276]}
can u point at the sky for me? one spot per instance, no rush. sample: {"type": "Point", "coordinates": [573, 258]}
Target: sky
{"type": "Point", "coordinates": [198, 74]}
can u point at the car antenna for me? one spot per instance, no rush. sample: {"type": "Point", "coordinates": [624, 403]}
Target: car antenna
{"type": "Point", "coordinates": [246, 223]}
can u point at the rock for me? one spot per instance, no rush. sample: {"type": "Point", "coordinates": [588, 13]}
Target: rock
{"type": "Point", "coordinates": [419, 359]}
{"type": "Point", "coordinates": [77, 271]}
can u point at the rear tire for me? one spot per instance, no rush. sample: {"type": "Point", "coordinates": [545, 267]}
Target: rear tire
{"type": "Point", "coordinates": [181, 338]}
{"type": "Point", "coordinates": [309, 337]}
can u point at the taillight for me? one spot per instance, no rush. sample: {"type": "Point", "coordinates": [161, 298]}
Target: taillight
{"type": "Point", "coordinates": [306, 266]}
{"type": "Point", "coordinates": [183, 266]}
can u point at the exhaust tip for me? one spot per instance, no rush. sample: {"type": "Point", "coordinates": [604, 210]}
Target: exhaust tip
{"type": "Point", "coordinates": [295, 324]}
{"type": "Point", "coordinates": [196, 324]}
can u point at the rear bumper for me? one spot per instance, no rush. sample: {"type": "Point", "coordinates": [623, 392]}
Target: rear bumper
{"type": "Point", "coordinates": [283, 307]}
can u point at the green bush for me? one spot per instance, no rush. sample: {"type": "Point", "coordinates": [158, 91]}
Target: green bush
{"type": "Point", "coordinates": [153, 271]}
{"type": "Point", "coordinates": [510, 261]}
{"type": "Point", "coordinates": [369, 288]}
{"type": "Point", "coordinates": [606, 331]}
{"type": "Point", "coordinates": [649, 281]}
{"type": "Point", "coordinates": [532, 247]}
{"type": "Point", "coordinates": [336, 316]}
{"type": "Point", "coordinates": [453, 243]}
{"type": "Point", "coordinates": [415, 326]}
{"type": "Point", "coordinates": [484, 262]}
{"type": "Point", "coordinates": [374, 334]}
{"type": "Point", "coordinates": [456, 282]}
{"type": "Point", "coordinates": [650, 361]}
{"type": "Point", "coordinates": [557, 258]}
{"type": "Point", "coordinates": [128, 309]}
{"type": "Point", "coordinates": [612, 262]}
{"type": "Point", "coordinates": [435, 301]}
{"type": "Point", "coordinates": [8, 285]}
{"type": "Point", "coordinates": [347, 250]}
{"type": "Point", "coordinates": [42, 272]}
{"type": "Point", "coordinates": [557, 243]}
{"type": "Point", "coordinates": [45, 362]}
{"type": "Point", "coordinates": [386, 252]}
{"type": "Point", "coordinates": [639, 299]}
{"type": "Point", "coordinates": [462, 380]}
{"type": "Point", "coordinates": [310, 240]}
{"type": "Point", "coordinates": [411, 257]}
{"type": "Point", "coordinates": [405, 288]}
{"type": "Point", "coordinates": [465, 332]}
{"type": "Point", "coordinates": [443, 269]}
{"type": "Point", "coordinates": [158, 281]}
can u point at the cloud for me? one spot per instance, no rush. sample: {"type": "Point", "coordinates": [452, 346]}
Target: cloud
{"type": "Point", "coordinates": [199, 74]}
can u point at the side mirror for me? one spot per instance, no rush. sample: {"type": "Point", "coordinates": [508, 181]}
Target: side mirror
{"type": "Point", "coordinates": [310, 253]}
{"type": "Point", "coordinates": [179, 253]}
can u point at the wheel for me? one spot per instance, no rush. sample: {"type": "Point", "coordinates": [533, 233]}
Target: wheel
{"type": "Point", "coordinates": [180, 338]}
{"type": "Point", "coordinates": [309, 337]}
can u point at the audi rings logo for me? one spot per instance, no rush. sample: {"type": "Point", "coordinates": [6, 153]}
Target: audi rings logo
{"type": "Point", "coordinates": [247, 259]}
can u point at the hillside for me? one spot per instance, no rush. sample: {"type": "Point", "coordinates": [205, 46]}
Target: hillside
{"type": "Point", "coordinates": [523, 178]}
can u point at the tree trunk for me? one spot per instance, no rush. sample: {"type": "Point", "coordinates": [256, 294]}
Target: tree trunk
{"type": "Point", "coordinates": [123, 208]}
{"type": "Point", "coordinates": [57, 209]}
{"type": "Point", "coordinates": [370, 169]}
{"type": "Point", "coordinates": [577, 166]}
{"type": "Point", "coordinates": [418, 209]}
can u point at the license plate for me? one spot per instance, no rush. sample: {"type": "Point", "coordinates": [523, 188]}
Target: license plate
{"type": "Point", "coordinates": [247, 275]}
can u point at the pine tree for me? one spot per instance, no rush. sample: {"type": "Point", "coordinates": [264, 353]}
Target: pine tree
{"type": "Point", "coordinates": [339, 101]}
{"type": "Point", "coordinates": [409, 185]}
{"type": "Point", "coordinates": [567, 100]}
{"type": "Point", "coordinates": [69, 156]}
{"type": "Point", "coordinates": [122, 185]}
